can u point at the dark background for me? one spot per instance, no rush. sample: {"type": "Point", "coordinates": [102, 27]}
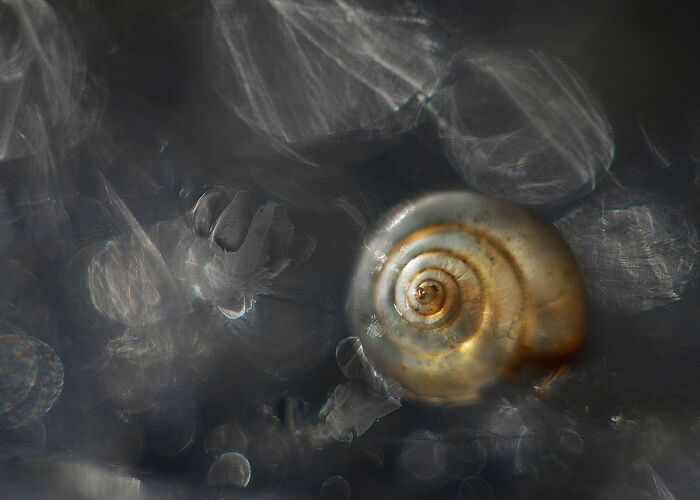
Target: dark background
{"type": "Point", "coordinates": [162, 136]}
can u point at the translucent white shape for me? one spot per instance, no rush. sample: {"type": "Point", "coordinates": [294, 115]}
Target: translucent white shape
{"type": "Point", "coordinates": [301, 70]}
{"type": "Point", "coordinates": [523, 128]}
{"type": "Point", "coordinates": [635, 251]}
{"type": "Point", "coordinates": [230, 469]}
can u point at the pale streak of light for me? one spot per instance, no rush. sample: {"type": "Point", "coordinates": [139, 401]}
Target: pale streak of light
{"type": "Point", "coordinates": [238, 59]}
{"type": "Point", "coordinates": [650, 144]}
{"type": "Point", "coordinates": [136, 229]}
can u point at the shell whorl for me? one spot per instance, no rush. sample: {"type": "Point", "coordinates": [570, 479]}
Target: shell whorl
{"type": "Point", "coordinates": [455, 288]}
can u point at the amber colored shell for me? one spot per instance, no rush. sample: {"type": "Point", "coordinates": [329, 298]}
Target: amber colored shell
{"type": "Point", "coordinates": [455, 288]}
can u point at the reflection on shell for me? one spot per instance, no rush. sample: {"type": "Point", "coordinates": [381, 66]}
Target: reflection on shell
{"type": "Point", "coordinates": [456, 288]}
{"type": "Point", "coordinates": [41, 75]}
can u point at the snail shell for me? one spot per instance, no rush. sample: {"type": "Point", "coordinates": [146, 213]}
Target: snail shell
{"type": "Point", "coordinates": [455, 288]}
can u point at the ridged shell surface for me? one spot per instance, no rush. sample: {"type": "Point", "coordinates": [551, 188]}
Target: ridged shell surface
{"type": "Point", "coordinates": [455, 289]}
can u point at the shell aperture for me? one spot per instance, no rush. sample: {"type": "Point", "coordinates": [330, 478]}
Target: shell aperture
{"type": "Point", "coordinates": [454, 289]}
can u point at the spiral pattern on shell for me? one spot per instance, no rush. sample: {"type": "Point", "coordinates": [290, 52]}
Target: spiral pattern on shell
{"type": "Point", "coordinates": [455, 288]}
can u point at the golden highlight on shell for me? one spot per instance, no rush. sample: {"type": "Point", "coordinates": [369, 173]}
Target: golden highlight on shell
{"type": "Point", "coordinates": [455, 288]}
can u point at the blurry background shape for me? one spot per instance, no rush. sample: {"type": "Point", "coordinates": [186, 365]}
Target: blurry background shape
{"type": "Point", "coordinates": [336, 488]}
{"type": "Point", "coordinates": [235, 250]}
{"type": "Point", "coordinates": [40, 72]}
{"type": "Point", "coordinates": [636, 251]}
{"type": "Point", "coordinates": [230, 469]}
{"type": "Point", "coordinates": [475, 488]}
{"type": "Point", "coordinates": [128, 279]}
{"type": "Point", "coordinates": [281, 337]}
{"type": "Point", "coordinates": [304, 70]}
{"type": "Point", "coordinates": [466, 452]}
{"type": "Point", "coordinates": [521, 126]}
{"type": "Point", "coordinates": [423, 454]}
